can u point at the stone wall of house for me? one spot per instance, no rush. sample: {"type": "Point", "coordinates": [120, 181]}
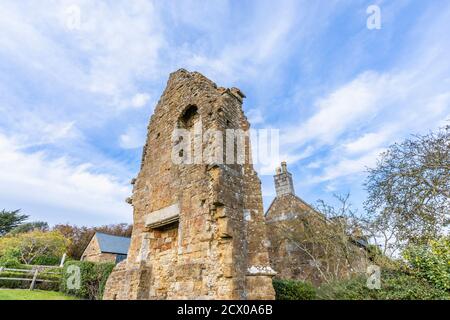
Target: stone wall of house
{"type": "Point", "coordinates": [285, 219]}
{"type": "Point", "coordinates": [92, 253]}
{"type": "Point", "coordinates": [199, 230]}
{"type": "Point", "coordinates": [288, 260]}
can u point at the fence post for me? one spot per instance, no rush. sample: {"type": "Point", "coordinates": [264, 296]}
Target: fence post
{"type": "Point", "coordinates": [33, 282]}
{"type": "Point", "coordinates": [63, 259]}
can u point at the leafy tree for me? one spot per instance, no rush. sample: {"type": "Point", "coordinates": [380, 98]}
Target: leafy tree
{"type": "Point", "coordinates": [30, 226]}
{"type": "Point", "coordinates": [409, 189]}
{"type": "Point", "coordinates": [431, 261]}
{"type": "Point", "coordinates": [10, 259]}
{"type": "Point", "coordinates": [10, 220]}
{"type": "Point", "coordinates": [32, 245]}
{"type": "Point", "coordinates": [381, 231]}
{"type": "Point", "coordinates": [119, 229]}
{"type": "Point", "coordinates": [80, 236]}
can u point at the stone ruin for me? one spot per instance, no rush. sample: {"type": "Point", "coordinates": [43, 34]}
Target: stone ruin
{"type": "Point", "coordinates": [199, 230]}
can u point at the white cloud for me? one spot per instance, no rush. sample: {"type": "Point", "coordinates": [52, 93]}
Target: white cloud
{"type": "Point", "coordinates": [115, 45]}
{"type": "Point", "coordinates": [67, 83]}
{"type": "Point", "coordinates": [255, 116]}
{"type": "Point", "coordinates": [346, 166]}
{"type": "Point", "coordinates": [367, 142]}
{"type": "Point", "coordinates": [347, 106]}
{"type": "Point", "coordinates": [39, 131]}
{"type": "Point", "coordinates": [140, 100]}
{"type": "Point", "coordinates": [358, 120]}
{"type": "Point", "coordinates": [66, 191]}
{"type": "Point", "coordinates": [132, 139]}
{"type": "Point", "coordinates": [345, 119]}
{"type": "Point", "coordinates": [256, 52]}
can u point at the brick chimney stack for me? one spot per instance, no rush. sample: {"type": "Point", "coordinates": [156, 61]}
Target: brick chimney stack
{"type": "Point", "coordinates": [283, 181]}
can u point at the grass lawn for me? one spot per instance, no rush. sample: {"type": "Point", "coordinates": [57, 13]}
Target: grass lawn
{"type": "Point", "coordinates": [18, 294]}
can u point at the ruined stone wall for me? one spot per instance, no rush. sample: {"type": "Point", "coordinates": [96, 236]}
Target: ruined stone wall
{"type": "Point", "coordinates": [199, 229]}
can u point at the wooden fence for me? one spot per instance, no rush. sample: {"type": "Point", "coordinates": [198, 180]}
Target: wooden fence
{"type": "Point", "coordinates": [35, 271]}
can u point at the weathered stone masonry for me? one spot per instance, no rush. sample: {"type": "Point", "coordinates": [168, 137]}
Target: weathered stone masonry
{"type": "Point", "coordinates": [288, 211]}
{"type": "Point", "coordinates": [199, 230]}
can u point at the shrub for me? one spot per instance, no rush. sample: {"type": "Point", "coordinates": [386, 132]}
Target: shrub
{"type": "Point", "coordinates": [47, 261]}
{"type": "Point", "coordinates": [395, 285]}
{"type": "Point", "coordinates": [52, 275]}
{"type": "Point", "coordinates": [431, 262]}
{"type": "Point", "coordinates": [34, 244]}
{"type": "Point", "coordinates": [293, 290]}
{"type": "Point", "coordinates": [93, 277]}
{"type": "Point", "coordinates": [10, 259]}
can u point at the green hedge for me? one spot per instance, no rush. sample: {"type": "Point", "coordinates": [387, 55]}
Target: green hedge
{"type": "Point", "coordinates": [22, 284]}
{"type": "Point", "coordinates": [92, 282]}
{"type": "Point", "coordinates": [395, 285]}
{"type": "Point", "coordinates": [47, 261]}
{"type": "Point", "coordinates": [293, 290]}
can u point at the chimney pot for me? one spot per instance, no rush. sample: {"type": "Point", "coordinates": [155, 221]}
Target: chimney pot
{"type": "Point", "coordinates": [283, 181]}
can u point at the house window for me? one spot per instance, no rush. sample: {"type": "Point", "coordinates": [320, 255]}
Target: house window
{"type": "Point", "coordinates": [120, 257]}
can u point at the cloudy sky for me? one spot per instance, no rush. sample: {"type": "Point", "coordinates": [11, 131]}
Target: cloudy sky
{"type": "Point", "coordinates": [79, 80]}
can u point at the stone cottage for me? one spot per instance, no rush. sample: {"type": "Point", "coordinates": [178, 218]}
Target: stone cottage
{"type": "Point", "coordinates": [106, 248]}
{"type": "Point", "coordinates": [302, 245]}
{"type": "Point", "coordinates": [198, 230]}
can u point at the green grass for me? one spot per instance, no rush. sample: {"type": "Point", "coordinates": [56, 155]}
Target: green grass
{"type": "Point", "coordinates": [20, 294]}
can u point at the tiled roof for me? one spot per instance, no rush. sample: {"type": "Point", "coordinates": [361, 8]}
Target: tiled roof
{"type": "Point", "coordinates": [112, 244]}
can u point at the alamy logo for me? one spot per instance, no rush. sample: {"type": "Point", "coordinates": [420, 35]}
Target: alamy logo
{"type": "Point", "coordinates": [230, 146]}
{"type": "Point", "coordinates": [73, 17]}
{"type": "Point", "coordinates": [373, 277]}
{"type": "Point", "coordinates": [74, 278]}
{"type": "Point", "coordinates": [374, 18]}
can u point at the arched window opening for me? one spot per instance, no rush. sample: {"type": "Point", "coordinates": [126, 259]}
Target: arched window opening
{"type": "Point", "coordinates": [188, 118]}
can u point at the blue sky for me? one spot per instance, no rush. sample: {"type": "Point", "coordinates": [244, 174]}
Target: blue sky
{"type": "Point", "coordinates": [76, 94]}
